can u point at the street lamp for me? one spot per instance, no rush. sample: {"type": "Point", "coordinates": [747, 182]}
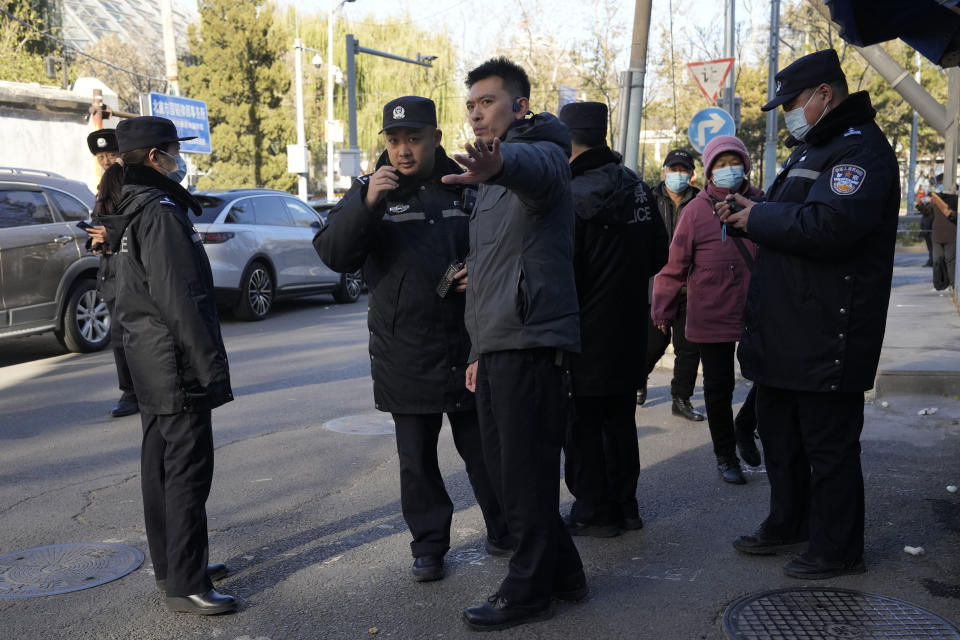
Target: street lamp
{"type": "Point", "coordinates": [297, 155]}
{"type": "Point", "coordinates": [334, 7]}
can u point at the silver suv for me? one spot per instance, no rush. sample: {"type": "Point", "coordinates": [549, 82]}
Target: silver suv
{"type": "Point", "coordinates": [48, 278]}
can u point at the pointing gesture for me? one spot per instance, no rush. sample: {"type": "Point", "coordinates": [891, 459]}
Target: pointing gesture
{"type": "Point", "coordinates": [481, 163]}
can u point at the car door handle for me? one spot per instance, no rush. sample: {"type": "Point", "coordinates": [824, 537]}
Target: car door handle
{"type": "Point", "coordinates": [63, 239]}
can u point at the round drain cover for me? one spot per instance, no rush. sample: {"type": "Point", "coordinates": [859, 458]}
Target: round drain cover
{"type": "Point", "coordinates": [825, 614]}
{"type": "Point", "coordinates": [365, 424]}
{"type": "Point", "coordinates": [61, 568]}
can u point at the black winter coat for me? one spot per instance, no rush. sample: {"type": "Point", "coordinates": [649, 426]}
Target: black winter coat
{"type": "Point", "coordinates": [165, 299]}
{"type": "Point", "coordinates": [620, 243]}
{"type": "Point", "coordinates": [817, 305]}
{"type": "Point", "coordinates": [418, 342]}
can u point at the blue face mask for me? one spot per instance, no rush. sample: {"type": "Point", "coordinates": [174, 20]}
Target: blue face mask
{"type": "Point", "coordinates": [677, 182]}
{"type": "Point", "coordinates": [728, 177]}
{"type": "Point", "coordinates": [178, 174]}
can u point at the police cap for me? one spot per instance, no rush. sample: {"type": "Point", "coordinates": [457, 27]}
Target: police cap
{"type": "Point", "coordinates": [145, 132]}
{"type": "Point", "coordinates": [102, 140]}
{"type": "Point", "coordinates": [803, 73]}
{"type": "Point", "coordinates": [584, 115]}
{"type": "Point", "coordinates": [412, 112]}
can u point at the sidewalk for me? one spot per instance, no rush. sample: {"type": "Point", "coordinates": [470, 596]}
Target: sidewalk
{"type": "Point", "coordinates": [921, 346]}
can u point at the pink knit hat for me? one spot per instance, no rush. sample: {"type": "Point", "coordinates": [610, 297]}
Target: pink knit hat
{"type": "Point", "coordinates": [721, 144]}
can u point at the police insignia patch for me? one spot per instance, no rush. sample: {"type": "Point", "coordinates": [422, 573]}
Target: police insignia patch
{"type": "Point", "coordinates": [846, 179]}
{"type": "Point", "coordinates": [399, 113]}
{"type": "Point", "coordinates": [399, 208]}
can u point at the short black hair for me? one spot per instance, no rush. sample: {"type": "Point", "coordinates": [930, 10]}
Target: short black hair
{"type": "Point", "coordinates": [589, 138]}
{"type": "Point", "coordinates": [514, 78]}
{"type": "Point", "coordinates": [840, 88]}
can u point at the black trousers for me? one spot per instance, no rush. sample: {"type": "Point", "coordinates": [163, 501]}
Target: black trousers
{"type": "Point", "coordinates": [686, 355]}
{"type": "Point", "coordinates": [119, 356]}
{"type": "Point", "coordinates": [522, 403]}
{"type": "Point", "coordinates": [426, 506]}
{"type": "Point", "coordinates": [602, 459]}
{"type": "Point", "coordinates": [176, 471]}
{"type": "Point", "coordinates": [718, 384]}
{"type": "Point", "coordinates": [811, 445]}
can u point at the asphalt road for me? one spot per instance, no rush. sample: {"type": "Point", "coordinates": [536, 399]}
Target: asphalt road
{"type": "Point", "coordinates": [308, 519]}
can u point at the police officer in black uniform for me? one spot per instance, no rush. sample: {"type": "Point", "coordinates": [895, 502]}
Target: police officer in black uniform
{"type": "Point", "coordinates": [171, 333]}
{"type": "Point", "coordinates": [620, 242]}
{"type": "Point", "coordinates": [816, 313]}
{"type": "Point", "coordinates": [409, 232]}
{"type": "Point", "coordinates": [103, 146]}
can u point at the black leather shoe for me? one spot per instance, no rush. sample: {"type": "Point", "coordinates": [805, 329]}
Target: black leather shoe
{"type": "Point", "coordinates": [749, 453]}
{"type": "Point", "coordinates": [498, 548]}
{"type": "Point", "coordinates": [730, 471]}
{"type": "Point", "coordinates": [634, 523]}
{"type": "Point", "coordinates": [683, 408]}
{"type": "Point", "coordinates": [216, 571]}
{"type": "Point", "coordinates": [427, 568]}
{"type": "Point", "coordinates": [204, 604]}
{"type": "Point", "coordinates": [124, 408]}
{"type": "Point", "coordinates": [579, 528]}
{"type": "Point", "coordinates": [642, 394]}
{"type": "Point", "coordinates": [809, 569]}
{"type": "Point", "coordinates": [497, 613]}
{"type": "Point", "coordinates": [760, 545]}
{"type": "Point", "coordinates": [573, 589]}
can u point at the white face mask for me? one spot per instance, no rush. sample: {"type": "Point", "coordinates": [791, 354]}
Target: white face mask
{"type": "Point", "coordinates": [796, 120]}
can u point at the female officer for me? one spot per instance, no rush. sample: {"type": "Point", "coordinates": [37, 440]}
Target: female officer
{"type": "Point", "coordinates": [716, 271]}
{"type": "Point", "coordinates": [165, 303]}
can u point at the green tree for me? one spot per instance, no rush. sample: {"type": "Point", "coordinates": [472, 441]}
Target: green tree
{"type": "Point", "coordinates": [237, 67]}
{"type": "Point", "coordinates": [21, 48]}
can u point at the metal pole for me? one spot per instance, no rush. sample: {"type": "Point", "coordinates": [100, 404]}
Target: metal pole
{"type": "Point", "coordinates": [623, 117]}
{"type": "Point", "coordinates": [169, 47]}
{"type": "Point", "coordinates": [951, 149]}
{"type": "Point", "coordinates": [729, 42]}
{"type": "Point", "coordinates": [326, 128]}
{"type": "Point", "coordinates": [301, 133]}
{"type": "Point", "coordinates": [770, 143]}
{"type": "Point", "coordinates": [352, 89]}
{"type": "Point", "coordinates": [912, 168]}
{"type": "Point", "coordinates": [638, 66]}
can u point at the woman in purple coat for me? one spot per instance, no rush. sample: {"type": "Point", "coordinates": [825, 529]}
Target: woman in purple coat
{"type": "Point", "coordinates": [715, 267]}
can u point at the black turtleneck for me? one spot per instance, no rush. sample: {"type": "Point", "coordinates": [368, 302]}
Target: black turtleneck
{"type": "Point", "coordinates": [145, 176]}
{"type": "Point", "coordinates": [855, 109]}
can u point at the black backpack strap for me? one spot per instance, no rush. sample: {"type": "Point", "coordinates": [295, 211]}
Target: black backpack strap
{"type": "Point", "coordinates": [743, 251]}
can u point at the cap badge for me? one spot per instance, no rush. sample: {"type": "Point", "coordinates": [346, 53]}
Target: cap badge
{"type": "Point", "coordinates": [778, 87]}
{"type": "Point", "coordinates": [399, 113]}
{"type": "Point", "coordinates": [101, 142]}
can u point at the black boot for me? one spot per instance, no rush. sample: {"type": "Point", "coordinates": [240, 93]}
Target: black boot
{"type": "Point", "coordinates": [642, 394]}
{"type": "Point", "coordinates": [730, 471]}
{"type": "Point", "coordinates": [427, 568]}
{"type": "Point", "coordinates": [683, 408]}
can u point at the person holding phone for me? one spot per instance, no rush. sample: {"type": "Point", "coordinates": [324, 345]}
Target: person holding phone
{"type": "Point", "coordinates": [408, 231]}
{"type": "Point", "coordinates": [103, 146]}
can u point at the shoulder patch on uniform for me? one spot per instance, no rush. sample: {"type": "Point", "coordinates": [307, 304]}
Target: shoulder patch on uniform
{"type": "Point", "coordinates": [846, 179]}
{"type": "Point", "coordinates": [852, 132]}
{"type": "Point", "coordinates": [166, 200]}
{"type": "Point", "coordinates": [364, 179]}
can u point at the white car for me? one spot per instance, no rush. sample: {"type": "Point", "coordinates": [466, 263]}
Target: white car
{"type": "Point", "coordinates": [260, 246]}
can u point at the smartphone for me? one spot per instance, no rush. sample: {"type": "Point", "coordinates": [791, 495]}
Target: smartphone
{"type": "Point", "coordinates": [83, 224]}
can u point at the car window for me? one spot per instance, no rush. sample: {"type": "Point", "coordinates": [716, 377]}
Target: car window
{"type": "Point", "coordinates": [303, 216]}
{"type": "Point", "coordinates": [211, 209]}
{"type": "Point", "coordinates": [241, 212]}
{"type": "Point", "coordinates": [270, 210]}
{"type": "Point", "coordinates": [23, 208]}
{"type": "Point", "coordinates": [69, 207]}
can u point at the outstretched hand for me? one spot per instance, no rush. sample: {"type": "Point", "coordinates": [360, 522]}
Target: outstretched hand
{"type": "Point", "coordinates": [482, 163]}
{"type": "Point", "coordinates": [738, 219]}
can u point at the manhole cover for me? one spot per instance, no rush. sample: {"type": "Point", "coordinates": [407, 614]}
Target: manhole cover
{"type": "Point", "coordinates": [825, 614]}
{"type": "Point", "coordinates": [366, 424]}
{"type": "Point", "coordinates": [61, 568]}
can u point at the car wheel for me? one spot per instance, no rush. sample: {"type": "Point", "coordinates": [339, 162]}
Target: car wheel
{"type": "Point", "coordinates": [86, 320]}
{"type": "Point", "coordinates": [350, 286]}
{"type": "Point", "coordinates": [256, 293]}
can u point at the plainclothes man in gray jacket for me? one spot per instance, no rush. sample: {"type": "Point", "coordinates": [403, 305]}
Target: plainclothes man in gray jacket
{"type": "Point", "coordinates": [523, 320]}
